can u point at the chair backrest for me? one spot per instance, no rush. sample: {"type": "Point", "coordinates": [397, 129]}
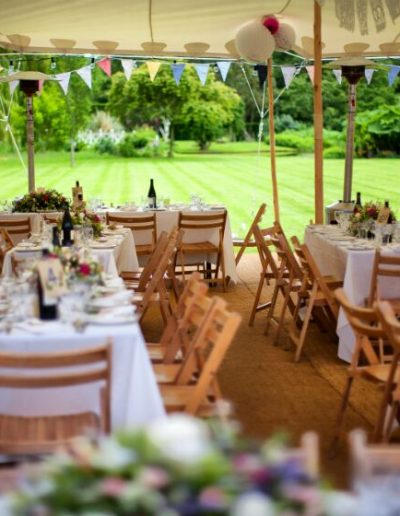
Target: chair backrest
{"type": "Point", "coordinates": [190, 222]}
{"type": "Point", "coordinates": [18, 228]}
{"type": "Point", "coordinates": [384, 267]}
{"type": "Point", "coordinates": [250, 233]}
{"type": "Point", "coordinates": [263, 242]}
{"type": "Point", "coordinates": [139, 225]}
{"type": "Point", "coordinates": [52, 218]}
{"type": "Point", "coordinates": [60, 369]}
{"type": "Point", "coordinates": [152, 262]}
{"type": "Point", "coordinates": [6, 244]}
{"type": "Point", "coordinates": [369, 460]}
{"type": "Point", "coordinates": [367, 330]}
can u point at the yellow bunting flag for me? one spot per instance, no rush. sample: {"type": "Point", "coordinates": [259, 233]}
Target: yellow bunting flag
{"type": "Point", "coordinates": [153, 67]}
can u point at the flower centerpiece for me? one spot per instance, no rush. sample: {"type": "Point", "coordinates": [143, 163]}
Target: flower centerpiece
{"type": "Point", "coordinates": [366, 214]}
{"type": "Point", "coordinates": [78, 268]}
{"type": "Point", "coordinates": [41, 200]}
{"type": "Point", "coordinates": [175, 466]}
{"type": "Point", "coordinates": [82, 217]}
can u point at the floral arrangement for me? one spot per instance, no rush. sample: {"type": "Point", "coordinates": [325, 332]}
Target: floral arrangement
{"type": "Point", "coordinates": [79, 268]}
{"type": "Point", "coordinates": [42, 200]}
{"type": "Point", "coordinates": [367, 213]}
{"type": "Point", "coordinates": [173, 467]}
{"type": "Point", "coordinates": [83, 217]}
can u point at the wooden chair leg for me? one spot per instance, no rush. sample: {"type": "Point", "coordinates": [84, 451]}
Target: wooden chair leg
{"type": "Point", "coordinates": [271, 309]}
{"type": "Point", "coordinates": [282, 315]}
{"type": "Point", "coordinates": [257, 299]}
{"type": "Point", "coordinates": [299, 341]}
{"type": "Point", "coordinates": [341, 413]}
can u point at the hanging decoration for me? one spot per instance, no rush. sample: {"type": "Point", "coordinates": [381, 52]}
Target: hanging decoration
{"type": "Point", "coordinates": [310, 71]}
{"type": "Point", "coordinates": [202, 71]}
{"type": "Point", "coordinates": [12, 85]}
{"type": "Point", "coordinates": [105, 65]}
{"type": "Point", "coordinates": [285, 37]}
{"type": "Point", "coordinates": [348, 10]}
{"type": "Point", "coordinates": [128, 65]}
{"type": "Point", "coordinates": [177, 71]}
{"type": "Point", "coordinates": [86, 75]}
{"type": "Point", "coordinates": [153, 67]}
{"type": "Point", "coordinates": [369, 72]}
{"type": "Point", "coordinates": [288, 73]}
{"type": "Point", "coordinates": [64, 81]}
{"type": "Point", "coordinates": [338, 74]}
{"type": "Point", "coordinates": [223, 67]}
{"type": "Point", "coordinates": [392, 74]}
{"type": "Point", "coordinates": [254, 42]}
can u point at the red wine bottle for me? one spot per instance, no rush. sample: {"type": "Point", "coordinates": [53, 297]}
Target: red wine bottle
{"type": "Point", "coordinates": [151, 196]}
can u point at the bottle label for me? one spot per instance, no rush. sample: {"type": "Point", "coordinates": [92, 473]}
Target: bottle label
{"type": "Point", "coordinates": [151, 201]}
{"type": "Point", "coordinates": [383, 215]}
{"type": "Point", "coordinates": [52, 279]}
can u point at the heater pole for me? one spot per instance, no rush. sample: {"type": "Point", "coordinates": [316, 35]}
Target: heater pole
{"type": "Point", "coordinates": [30, 142]}
{"type": "Point", "coordinates": [348, 167]}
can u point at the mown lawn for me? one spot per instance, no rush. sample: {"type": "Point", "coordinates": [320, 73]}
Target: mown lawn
{"type": "Point", "coordinates": [241, 181]}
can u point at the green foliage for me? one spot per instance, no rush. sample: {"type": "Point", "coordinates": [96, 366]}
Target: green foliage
{"type": "Point", "coordinates": [106, 145]}
{"type": "Point", "coordinates": [143, 142]}
{"type": "Point", "coordinates": [378, 132]}
{"type": "Point", "coordinates": [334, 152]}
{"type": "Point", "coordinates": [303, 141]}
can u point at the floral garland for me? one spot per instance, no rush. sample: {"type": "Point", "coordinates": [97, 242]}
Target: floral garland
{"type": "Point", "coordinates": [43, 200]}
{"type": "Point", "coordinates": [173, 467]}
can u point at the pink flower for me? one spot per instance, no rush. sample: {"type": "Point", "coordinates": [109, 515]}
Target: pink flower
{"type": "Point", "coordinates": [84, 269]}
{"type": "Point", "coordinates": [113, 486]}
{"type": "Point", "coordinates": [372, 212]}
{"type": "Point", "coordinates": [154, 478]}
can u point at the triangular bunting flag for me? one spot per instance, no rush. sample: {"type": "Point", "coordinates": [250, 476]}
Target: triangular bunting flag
{"type": "Point", "coordinates": [40, 86]}
{"type": "Point", "coordinates": [369, 72]}
{"type": "Point", "coordinates": [310, 71]}
{"type": "Point", "coordinates": [338, 75]}
{"type": "Point", "coordinates": [105, 65]}
{"type": "Point", "coordinates": [392, 74]}
{"type": "Point", "coordinates": [86, 74]}
{"type": "Point", "coordinates": [12, 85]}
{"type": "Point", "coordinates": [288, 73]}
{"type": "Point", "coordinates": [223, 67]}
{"type": "Point", "coordinates": [177, 71]}
{"type": "Point", "coordinates": [128, 65]}
{"type": "Point", "coordinates": [63, 79]}
{"type": "Point", "coordinates": [202, 71]}
{"type": "Point", "coordinates": [153, 67]}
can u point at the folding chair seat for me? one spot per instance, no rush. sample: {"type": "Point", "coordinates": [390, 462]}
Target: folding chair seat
{"type": "Point", "coordinates": [34, 435]}
{"type": "Point", "coordinates": [248, 240]}
{"type": "Point", "coordinates": [17, 228]}
{"type": "Point", "coordinates": [144, 229]}
{"type": "Point", "coordinates": [317, 295]}
{"type": "Point", "coordinates": [370, 359]}
{"type": "Point", "coordinates": [202, 243]}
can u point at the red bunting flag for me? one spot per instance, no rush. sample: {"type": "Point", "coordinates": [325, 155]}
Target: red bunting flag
{"type": "Point", "coordinates": [105, 65]}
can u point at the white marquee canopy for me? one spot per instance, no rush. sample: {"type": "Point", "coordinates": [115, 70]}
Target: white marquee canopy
{"type": "Point", "coordinates": [203, 28]}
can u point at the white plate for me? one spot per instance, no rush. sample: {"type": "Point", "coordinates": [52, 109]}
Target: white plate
{"type": "Point", "coordinates": [101, 320]}
{"type": "Point", "coordinates": [27, 249]}
{"type": "Point", "coordinates": [342, 238]}
{"type": "Point", "coordinates": [360, 248]}
{"type": "Point", "coordinates": [103, 246]}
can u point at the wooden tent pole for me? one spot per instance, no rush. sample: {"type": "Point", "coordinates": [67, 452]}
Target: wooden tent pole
{"type": "Point", "coordinates": [272, 139]}
{"type": "Point", "coordinates": [318, 118]}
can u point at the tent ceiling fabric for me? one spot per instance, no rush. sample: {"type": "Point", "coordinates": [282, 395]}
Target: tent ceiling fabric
{"type": "Point", "coordinates": [193, 28]}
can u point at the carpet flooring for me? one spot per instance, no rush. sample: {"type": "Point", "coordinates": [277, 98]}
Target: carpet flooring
{"type": "Point", "coordinates": [270, 392]}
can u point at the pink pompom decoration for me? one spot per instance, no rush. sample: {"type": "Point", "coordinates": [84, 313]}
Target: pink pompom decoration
{"type": "Point", "coordinates": [254, 43]}
{"type": "Point", "coordinates": [271, 23]}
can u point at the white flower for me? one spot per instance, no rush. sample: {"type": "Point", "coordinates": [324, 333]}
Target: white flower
{"type": "Point", "coordinates": [180, 438]}
{"type": "Point", "coordinates": [253, 504]}
{"type": "Point", "coordinates": [111, 455]}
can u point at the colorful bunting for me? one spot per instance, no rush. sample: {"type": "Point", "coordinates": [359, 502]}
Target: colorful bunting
{"type": "Point", "coordinates": [86, 75]}
{"type": "Point", "coordinates": [64, 81]}
{"type": "Point", "coordinates": [105, 65]}
{"type": "Point", "coordinates": [392, 74]}
{"type": "Point", "coordinates": [12, 85]}
{"type": "Point", "coordinates": [202, 71]}
{"type": "Point", "coordinates": [153, 67]}
{"type": "Point", "coordinates": [338, 75]}
{"type": "Point", "coordinates": [223, 67]}
{"type": "Point", "coordinates": [310, 71]}
{"type": "Point", "coordinates": [369, 72]}
{"type": "Point", "coordinates": [288, 73]}
{"type": "Point", "coordinates": [177, 71]}
{"type": "Point", "coordinates": [128, 65]}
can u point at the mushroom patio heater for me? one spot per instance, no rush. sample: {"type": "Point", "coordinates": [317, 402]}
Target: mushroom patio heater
{"type": "Point", "coordinates": [29, 84]}
{"type": "Point", "coordinates": [353, 69]}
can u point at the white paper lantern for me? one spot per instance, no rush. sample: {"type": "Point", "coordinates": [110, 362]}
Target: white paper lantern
{"type": "Point", "coordinates": [254, 42]}
{"type": "Point", "coordinates": [285, 37]}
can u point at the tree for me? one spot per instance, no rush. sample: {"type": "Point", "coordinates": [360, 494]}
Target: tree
{"type": "Point", "coordinates": [140, 101]}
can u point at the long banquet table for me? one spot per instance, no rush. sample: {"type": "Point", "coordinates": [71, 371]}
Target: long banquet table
{"type": "Point", "coordinates": [135, 398]}
{"type": "Point", "coordinates": [167, 219]}
{"type": "Point", "coordinates": [351, 260]}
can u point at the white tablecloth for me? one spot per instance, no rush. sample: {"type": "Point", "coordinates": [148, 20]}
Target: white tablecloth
{"type": "Point", "coordinates": [113, 260]}
{"type": "Point", "coordinates": [135, 398]}
{"type": "Point", "coordinates": [355, 268]}
{"type": "Point", "coordinates": [35, 219]}
{"type": "Point", "coordinates": [167, 219]}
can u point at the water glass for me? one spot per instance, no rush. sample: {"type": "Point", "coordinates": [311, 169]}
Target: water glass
{"type": "Point", "coordinates": [87, 234]}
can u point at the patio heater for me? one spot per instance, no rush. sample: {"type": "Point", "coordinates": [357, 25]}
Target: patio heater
{"type": "Point", "coordinates": [353, 69]}
{"type": "Point", "coordinates": [29, 84]}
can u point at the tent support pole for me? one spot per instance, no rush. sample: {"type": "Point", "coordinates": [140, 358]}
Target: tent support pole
{"type": "Point", "coordinates": [318, 118]}
{"type": "Point", "coordinates": [30, 142]}
{"type": "Point", "coordinates": [272, 138]}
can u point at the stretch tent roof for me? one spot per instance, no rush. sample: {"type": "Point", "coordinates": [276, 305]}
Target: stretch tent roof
{"type": "Point", "coordinates": [203, 28]}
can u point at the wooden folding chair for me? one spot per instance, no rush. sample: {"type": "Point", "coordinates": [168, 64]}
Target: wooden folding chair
{"type": "Point", "coordinates": [248, 240]}
{"type": "Point", "coordinates": [213, 339]}
{"type": "Point", "coordinates": [6, 244]}
{"type": "Point", "coordinates": [173, 341]}
{"type": "Point", "coordinates": [18, 228]}
{"type": "Point", "coordinates": [200, 248]}
{"type": "Point", "coordinates": [52, 218]}
{"type": "Point", "coordinates": [270, 267]}
{"type": "Point", "coordinates": [369, 360]}
{"type": "Point", "coordinates": [33, 435]}
{"type": "Point", "coordinates": [317, 293]}
{"type": "Point", "coordinates": [385, 268]}
{"type": "Point", "coordinates": [142, 227]}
